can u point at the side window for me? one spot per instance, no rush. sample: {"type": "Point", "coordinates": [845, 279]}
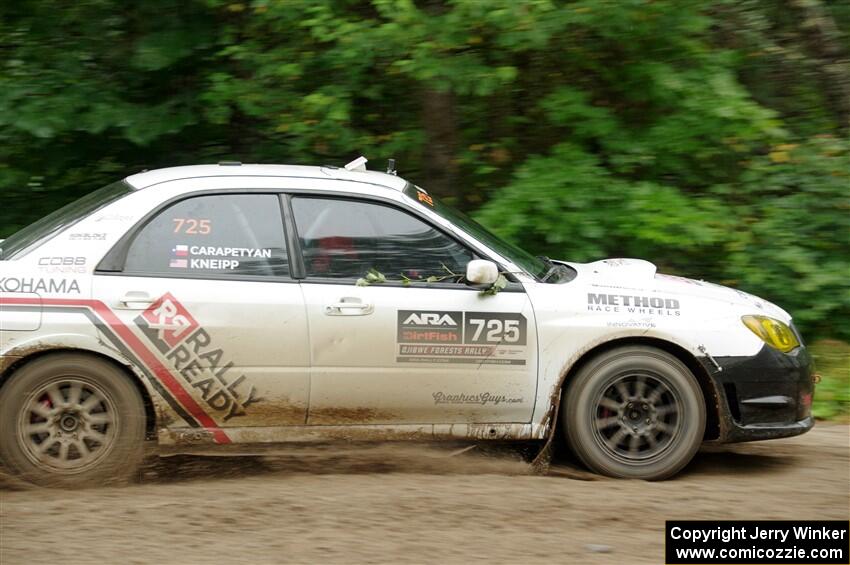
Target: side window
{"type": "Point", "coordinates": [346, 238]}
{"type": "Point", "coordinates": [230, 234]}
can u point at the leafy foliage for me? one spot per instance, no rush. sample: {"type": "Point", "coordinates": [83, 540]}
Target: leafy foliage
{"type": "Point", "coordinates": [709, 137]}
{"type": "Point", "coordinates": [832, 395]}
{"type": "Point", "coordinates": [376, 277]}
{"type": "Point", "coordinates": [372, 277]}
{"type": "Point", "coordinates": [781, 231]}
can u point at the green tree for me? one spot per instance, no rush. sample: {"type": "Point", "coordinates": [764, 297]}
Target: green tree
{"type": "Point", "coordinates": [708, 136]}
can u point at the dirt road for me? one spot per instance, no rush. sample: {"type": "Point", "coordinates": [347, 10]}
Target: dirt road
{"type": "Point", "coordinates": [409, 504]}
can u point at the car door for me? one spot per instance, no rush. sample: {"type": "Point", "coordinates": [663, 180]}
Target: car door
{"type": "Point", "coordinates": [218, 322]}
{"type": "Point", "coordinates": [406, 351]}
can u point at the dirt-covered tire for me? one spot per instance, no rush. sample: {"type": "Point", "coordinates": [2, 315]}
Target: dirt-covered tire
{"type": "Point", "coordinates": [634, 412]}
{"type": "Point", "coordinates": [71, 420]}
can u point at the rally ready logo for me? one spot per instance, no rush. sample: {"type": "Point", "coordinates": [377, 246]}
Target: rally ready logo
{"type": "Point", "coordinates": [192, 356]}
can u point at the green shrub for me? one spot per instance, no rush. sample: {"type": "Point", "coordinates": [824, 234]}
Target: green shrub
{"type": "Point", "coordinates": [832, 395]}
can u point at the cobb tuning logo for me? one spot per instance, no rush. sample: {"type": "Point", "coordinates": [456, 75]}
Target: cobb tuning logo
{"type": "Point", "coordinates": [190, 350]}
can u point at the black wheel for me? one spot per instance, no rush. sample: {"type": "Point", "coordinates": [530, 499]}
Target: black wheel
{"type": "Point", "coordinates": [71, 420]}
{"type": "Point", "coordinates": [634, 412]}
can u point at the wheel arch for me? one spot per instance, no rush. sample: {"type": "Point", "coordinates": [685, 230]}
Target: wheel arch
{"type": "Point", "coordinates": [707, 385]}
{"type": "Point", "coordinates": [25, 356]}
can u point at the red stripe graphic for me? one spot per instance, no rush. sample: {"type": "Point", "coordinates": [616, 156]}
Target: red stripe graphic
{"type": "Point", "coordinates": [133, 342]}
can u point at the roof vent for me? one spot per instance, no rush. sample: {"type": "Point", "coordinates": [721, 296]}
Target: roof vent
{"type": "Point", "coordinates": [229, 164]}
{"type": "Point", "coordinates": [358, 164]}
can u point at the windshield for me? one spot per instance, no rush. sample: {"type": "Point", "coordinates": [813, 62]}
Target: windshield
{"type": "Point", "coordinates": [35, 234]}
{"type": "Point", "coordinates": [535, 266]}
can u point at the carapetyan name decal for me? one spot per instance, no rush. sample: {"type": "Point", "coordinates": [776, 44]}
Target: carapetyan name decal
{"type": "Point", "coordinates": [39, 286]}
{"type": "Point", "coordinates": [633, 304]}
{"type": "Point", "coordinates": [230, 251]}
{"type": "Point", "coordinates": [190, 351]}
{"type": "Point", "coordinates": [198, 256]}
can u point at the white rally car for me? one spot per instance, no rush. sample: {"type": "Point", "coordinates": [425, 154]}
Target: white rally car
{"type": "Point", "coordinates": [219, 306]}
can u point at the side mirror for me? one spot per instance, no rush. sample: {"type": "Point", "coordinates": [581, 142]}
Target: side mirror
{"type": "Point", "coordinates": [480, 271]}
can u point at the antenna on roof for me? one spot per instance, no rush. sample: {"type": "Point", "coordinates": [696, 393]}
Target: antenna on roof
{"type": "Point", "coordinates": [391, 167]}
{"type": "Point", "coordinates": [358, 164]}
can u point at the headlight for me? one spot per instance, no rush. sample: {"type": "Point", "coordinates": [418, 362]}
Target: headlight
{"type": "Point", "coordinates": [772, 332]}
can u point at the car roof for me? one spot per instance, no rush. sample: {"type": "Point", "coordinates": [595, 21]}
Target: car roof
{"type": "Point", "coordinates": [158, 176]}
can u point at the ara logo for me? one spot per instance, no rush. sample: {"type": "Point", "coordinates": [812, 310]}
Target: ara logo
{"type": "Point", "coordinates": [429, 319]}
{"type": "Point", "coordinates": [418, 326]}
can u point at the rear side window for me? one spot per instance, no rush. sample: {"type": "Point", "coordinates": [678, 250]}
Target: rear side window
{"type": "Point", "coordinates": [229, 234]}
{"type": "Point", "coordinates": [39, 232]}
{"type": "Point", "coordinates": [345, 238]}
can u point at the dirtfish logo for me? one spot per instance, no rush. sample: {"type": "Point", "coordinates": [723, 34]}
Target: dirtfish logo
{"type": "Point", "coordinates": [418, 326]}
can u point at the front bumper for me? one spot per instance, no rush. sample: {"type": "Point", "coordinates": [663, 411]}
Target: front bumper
{"type": "Point", "coordinates": [765, 396]}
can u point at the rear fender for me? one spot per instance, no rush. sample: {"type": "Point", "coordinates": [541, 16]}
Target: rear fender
{"type": "Point", "coordinates": [25, 350]}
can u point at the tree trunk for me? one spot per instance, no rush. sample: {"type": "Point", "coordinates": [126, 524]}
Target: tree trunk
{"type": "Point", "coordinates": [823, 41]}
{"type": "Point", "coordinates": [441, 142]}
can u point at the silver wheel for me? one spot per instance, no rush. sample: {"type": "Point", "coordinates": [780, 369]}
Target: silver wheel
{"type": "Point", "coordinates": [634, 412]}
{"type": "Point", "coordinates": [68, 425]}
{"type": "Point", "coordinates": [637, 416]}
{"type": "Point", "coordinates": [71, 419]}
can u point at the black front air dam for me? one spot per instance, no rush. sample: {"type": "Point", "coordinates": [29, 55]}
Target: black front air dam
{"type": "Point", "coordinates": [765, 396]}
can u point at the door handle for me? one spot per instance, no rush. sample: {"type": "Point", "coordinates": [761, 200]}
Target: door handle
{"type": "Point", "coordinates": [135, 300]}
{"type": "Point", "coordinates": [349, 306]}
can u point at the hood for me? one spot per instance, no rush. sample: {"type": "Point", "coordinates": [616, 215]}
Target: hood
{"type": "Point", "coordinates": [636, 271]}
{"type": "Point", "coordinates": [640, 275]}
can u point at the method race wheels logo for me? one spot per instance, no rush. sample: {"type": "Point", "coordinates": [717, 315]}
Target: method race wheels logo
{"type": "Point", "coordinates": [190, 351]}
{"type": "Point", "coordinates": [630, 304]}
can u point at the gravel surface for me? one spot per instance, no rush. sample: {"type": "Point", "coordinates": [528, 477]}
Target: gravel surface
{"type": "Point", "coordinates": [411, 504]}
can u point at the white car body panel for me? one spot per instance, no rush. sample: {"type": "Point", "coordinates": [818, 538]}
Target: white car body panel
{"type": "Point", "coordinates": [363, 374]}
{"type": "Point", "coordinates": [300, 373]}
{"type": "Point", "coordinates": [248, 365]}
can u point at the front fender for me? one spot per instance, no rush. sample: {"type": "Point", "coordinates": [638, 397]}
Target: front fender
{"type": "Point", "coordinates": [570, 325]}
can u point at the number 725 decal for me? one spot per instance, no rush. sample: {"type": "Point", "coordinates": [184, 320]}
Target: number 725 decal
{"type": "Point", "coordinates": [191, 226]}
{"type": "Point", "coordinates": [494, 327]}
